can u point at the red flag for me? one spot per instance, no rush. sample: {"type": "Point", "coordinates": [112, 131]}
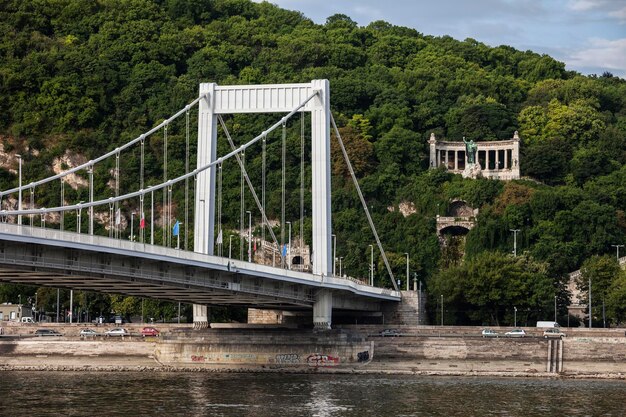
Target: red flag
{"type": "Point", "coordinates": [255, 245]}
{"type": "Point", "coordinates": [142, 222]}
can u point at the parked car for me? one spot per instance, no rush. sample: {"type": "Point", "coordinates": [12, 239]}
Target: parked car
{"type": "Point", "coordinates": [47, 332]}
{"type": "Point", "coordinates": [555, 332]}
{"type": "Point", "coordinates": [149, 331]}
{"type": "Point", "coordinates": [490, 333]}
{"type": "Point", "coordinates": [389, 333]}
{"type": "Point", "coordinates": [516, 333]}
{"type": "Point", "coordinates": [89, 333]}
{"type": "Point", "coordinates": [118, 331]}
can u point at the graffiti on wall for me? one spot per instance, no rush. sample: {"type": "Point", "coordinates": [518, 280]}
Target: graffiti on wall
{"type": "Point", "coordinates": [317, 359]}
{"type": "Point", "coordinates": [198, 358]}
{"type": "Point", "coordinates": [287, 358]}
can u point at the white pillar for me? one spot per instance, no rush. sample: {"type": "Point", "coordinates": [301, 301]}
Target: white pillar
{"type": "Point", "coordinates": [433, 151]}
{"type": "Point", "coordinates": [320, 165]}
{"type": "Point", "coordinates": [322, 309]}
{"type": "Point", "coordinates": [205, 186]}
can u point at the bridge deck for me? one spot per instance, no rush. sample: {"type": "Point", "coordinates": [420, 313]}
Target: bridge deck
{"type": "Point", "coordinates": [50, 257]}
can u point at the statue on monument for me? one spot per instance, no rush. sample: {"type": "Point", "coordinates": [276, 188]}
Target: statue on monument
{"type": "Point", "coordinates": [470, 149]}
{"type": "Point", "coordinates": [473, 169]}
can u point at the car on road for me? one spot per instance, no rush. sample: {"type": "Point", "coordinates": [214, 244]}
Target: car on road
{"type": "Point", "coordinates": [490, 333]}
{"type": "Point", "coordinates": [118, 331]}
{"type": "Point", "coordinates": [389, 333]}
{"type": "Point", "coordinates": [47, 332]}
{"type": "Point", "coordinates": [516, 333]}
{"type": "Point", "coordinates": [149, 331]}
{"type": "Point", "coordinates": [89, 333]}
{"type": "Point", "coordinates": [555, 332]}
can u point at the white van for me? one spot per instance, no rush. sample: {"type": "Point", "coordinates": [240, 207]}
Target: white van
{"type": "Point", "coordinates": [544, 324]}
{"type": "Point", "coordinates": [27, 320]}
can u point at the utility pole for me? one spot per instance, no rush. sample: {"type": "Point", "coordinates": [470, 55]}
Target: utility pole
{"type": "Point", "coordinates": [515, 241]}
{"type": "Point", "coordinates": [371, 265]}
{"type": "Point", "coordinates": [334, 255]}
{"type": "Point", "coordinates": [590, 324]}
{"type": "Point", "coordinates": [442, 310]}
{"type": "Point", "coordinates": [407, 271]}
{"type": "Point", "coordinates": [617, 248]}
{"type": "Point", "coordinates": [19, 197]}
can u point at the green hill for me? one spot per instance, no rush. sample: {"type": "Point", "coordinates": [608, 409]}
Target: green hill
{"type": "Point", "coordinates": [86, 76]}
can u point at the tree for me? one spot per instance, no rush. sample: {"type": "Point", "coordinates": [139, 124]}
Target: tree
{"type": "Point", "coordinates": [602, 272]}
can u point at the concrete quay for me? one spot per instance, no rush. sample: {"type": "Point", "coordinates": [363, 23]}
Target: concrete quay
{"type": "Point", "coordinates": [424, 350]}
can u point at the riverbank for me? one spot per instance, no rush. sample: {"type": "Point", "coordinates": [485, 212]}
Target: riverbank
{"type": "Point", "coordinates": [421, 350]}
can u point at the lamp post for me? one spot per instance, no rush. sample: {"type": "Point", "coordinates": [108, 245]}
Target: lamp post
{"type": "Point", "coordinates": [407, 270]}
{"type": "Point", "coordinates": [78, 214]}
{"type": "Point", "coordinates": [514, 316]}
{"type": "Point", "coordinates": [249, 235]}
{"type": "Point", "coordinates": [334, 255]}
{"type": "Point", "coordinates": [132, 224]}
{"type": "Point", "coordinates": [590, 324]}
{"type": "Point", "coordinates": [617, 248]}
{"type": "Point", "coordinates": [555, 308]}
{"type": "Point", "coordinates": [515, 241]}
{"type": "Point", "coordinates": [71, 305]}
{"type": "Point", "coordinates": [442, 310]}
{"type": "Point", "coordinates": [340, 258]}
{"type": "Point", "coordinates": [371, 265]}
{"type": "Point", "coordinates": [19, 192]}
{"type": "Point", "coordinates": [289, 247]}
{"type": "Point", "coordinates": [230, 246]}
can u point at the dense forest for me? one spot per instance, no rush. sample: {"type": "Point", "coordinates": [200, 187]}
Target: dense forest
{"type": "Point", "coordinates": [88, 75]}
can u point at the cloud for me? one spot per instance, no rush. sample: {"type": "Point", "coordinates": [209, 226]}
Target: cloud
{"type": "Point", "coordinates": [619, 14]}
{"type": "Point", "coordinates": [584, 5]}
{"type": "Point", "coordinates": [604, 54]}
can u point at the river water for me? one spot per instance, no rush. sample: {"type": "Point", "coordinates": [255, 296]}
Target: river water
{"type": "Point", "coordinates": [212, 394]}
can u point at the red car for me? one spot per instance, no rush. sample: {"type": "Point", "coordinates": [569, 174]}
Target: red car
{"type": "Point", "coordinates": [149, 331]}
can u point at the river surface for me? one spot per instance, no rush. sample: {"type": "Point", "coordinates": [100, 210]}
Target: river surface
{"type": "Point", "coordinates": [212, 394]}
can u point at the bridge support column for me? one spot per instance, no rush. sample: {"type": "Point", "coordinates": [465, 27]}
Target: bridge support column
{"type": "Point", "coordinates": [200, 317]}
{"type": "Point", "coordinates": [323, 310]}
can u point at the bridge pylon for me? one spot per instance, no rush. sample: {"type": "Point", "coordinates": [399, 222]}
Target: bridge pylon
{"type": "Point", "coordinates": [268, 98]}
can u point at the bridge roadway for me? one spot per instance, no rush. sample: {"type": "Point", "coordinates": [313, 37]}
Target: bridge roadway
{"type": "Point", "coordinates": [61, 259]}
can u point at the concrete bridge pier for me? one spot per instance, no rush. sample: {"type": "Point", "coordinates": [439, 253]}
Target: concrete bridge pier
{"type": "Point", "coordinates": [200, 316]}
{"type": "Point", "coordinates": [323, 310]}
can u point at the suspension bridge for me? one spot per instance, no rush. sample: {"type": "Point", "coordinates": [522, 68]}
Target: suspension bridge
{"type": "Point", "coordinates": [49, 254]}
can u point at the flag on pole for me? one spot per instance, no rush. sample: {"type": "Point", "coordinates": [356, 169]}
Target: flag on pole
{"type": "Point", "coordinates": [219, 237]}
{"type": "Point", "coordinates": [285, 249]}
{"type": "Point", "coordinates": [255, 245]}
{"type": "Point", "coordinates": [118, 216]}
{"type": "Point", "coordinates": [142, 222]}
{"type": "Point", "coordinates": [176, 228]}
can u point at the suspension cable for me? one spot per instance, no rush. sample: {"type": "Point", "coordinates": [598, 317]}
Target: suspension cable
{"type": "Point", "coordinates": [264, 222]}
{"type": "Point", "coordinates": [220, 236]}
{"type": "Point", "coordinates": [260, 206]}
{"type": "Point", "coordinates": [282, 202]}
{"type": "Point", "coordinates": [301, 185]}
{"type": "Point", "coordinates": [187, 179]}
{"type": "Point", "coordinates": [193, 173]}
{"type": "Point", "coordinates": [166, 224]}
{"type": "Point", "coordinates": [62, 220]}
{"type": "Point", "coordinates": [242, 206]}
{"type": "Point", "coordinates": [118, 214]}
{"type": "Point", "coordinates": [367, 213]}
{"type": "Point", "coordinates": [118, 149]}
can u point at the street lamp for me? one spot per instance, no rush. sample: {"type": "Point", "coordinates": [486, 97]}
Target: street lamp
{"type": "Point", "coordinates": [514, 316]}
{"type": "Point", "coordinates": [590, 324]}
{"type": "Point", "coordinates": [340, 258]}
{"type": "Point", "coordinates": [78, 213]}
{"type": "Point", "coordinates": [515, 241]}
{"type": "Point", "coordinates": [617, 248]}
{"type": "Point", "coordinates": [249, 235]}
{"type": "Point", "coordinates": [441, 309]}
{"type": "Point", "coordinates": [230, 246]}
{"type": "Point", "coordinates": [555, 308]}
{"type": "Point", "coordinates": [19, 192]}
{"type": "Point", "coordinates": [334, 255]}
{"type": "Point", "coordinates": [371, 265]}
{"type": "Point", "coordinates": [407, 271]}
{"type": "Point", "coordinates": [289, 247]}
{"type": "Point", "coordinates": [132, 228]}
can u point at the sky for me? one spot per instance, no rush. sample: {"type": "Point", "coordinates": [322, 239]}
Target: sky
{"type": "Point", "coordinates": [589, 36]}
